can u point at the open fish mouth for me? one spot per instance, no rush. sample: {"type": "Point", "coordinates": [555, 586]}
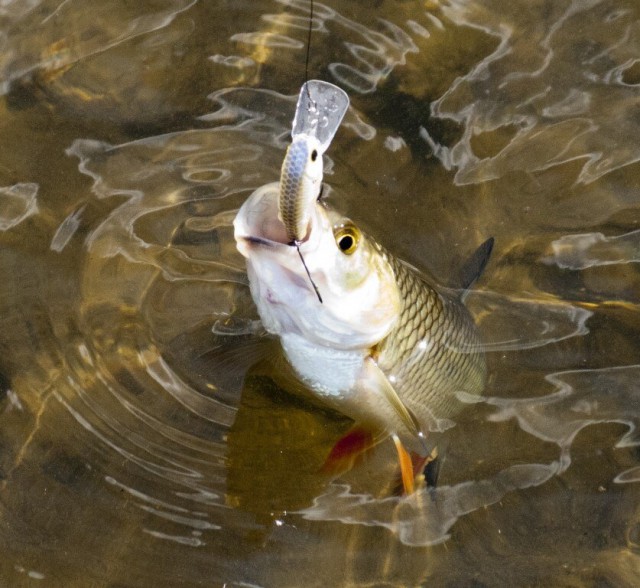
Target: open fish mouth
{"type": "Point", "coordinates": [257, 221]}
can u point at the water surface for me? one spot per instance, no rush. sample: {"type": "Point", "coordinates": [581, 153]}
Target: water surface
{"type": "Point", "coordinates": [145, 439]}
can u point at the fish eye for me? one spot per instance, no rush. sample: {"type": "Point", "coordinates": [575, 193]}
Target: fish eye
{"type": "Point", "coordinates": [347, 239]}
{"type": "Point", "coordinates": [314, 155]}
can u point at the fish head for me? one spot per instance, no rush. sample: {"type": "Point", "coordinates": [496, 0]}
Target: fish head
{"type": "Point", "coordinates": [360, 296]}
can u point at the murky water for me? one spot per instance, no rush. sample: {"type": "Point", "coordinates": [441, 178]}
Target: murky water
{"type": "Point", "coordinates": [143, 438]}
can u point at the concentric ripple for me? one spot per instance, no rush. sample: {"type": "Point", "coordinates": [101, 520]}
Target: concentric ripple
{"type": "Point", "coordinates": [150, 433]}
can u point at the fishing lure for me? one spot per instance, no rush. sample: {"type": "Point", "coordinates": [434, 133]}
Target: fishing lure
{"type": "Point", "coordinates": [320, 109]}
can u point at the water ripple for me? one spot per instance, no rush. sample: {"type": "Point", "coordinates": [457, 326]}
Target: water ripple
{"type": "Point", "coordinates": [581, 251]}
{"type": "Point", "coordinates": [66, 230]}
{"type": "Point", "coordinates": [36, 40]}
{"type": "Point", "coordinates": [425, 518]}
{"type": "Point", "coordinates": [369, 58]}
{"type": "Point", "coordinates": [517, 323]}
{"type": "Point", "coordinates": [583, 398]}
{"type": "Point", "coordinates": [17, 203]}
{"type": "Point", "coordinates": [542, 86]}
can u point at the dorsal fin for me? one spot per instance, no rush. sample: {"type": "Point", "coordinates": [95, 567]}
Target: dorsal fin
{"type": "Point", "coordinates": [474, 266]}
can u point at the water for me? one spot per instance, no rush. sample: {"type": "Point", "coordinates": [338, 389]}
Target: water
{"type": "Point", "coordinates": [143, 438]}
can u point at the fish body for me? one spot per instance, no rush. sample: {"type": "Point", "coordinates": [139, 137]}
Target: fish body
{"type": "Point", "coordinates": [365, 332]}
{"type": "Point", "coordinates": [433, 351]}
{"type": "Point", "coordinates": [386, 346]}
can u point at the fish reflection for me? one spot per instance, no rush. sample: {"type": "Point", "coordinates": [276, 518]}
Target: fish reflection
{"type": "Point", "coordinates": [278, 445]}
{"type": "Point", "coordinates": [276, 448]}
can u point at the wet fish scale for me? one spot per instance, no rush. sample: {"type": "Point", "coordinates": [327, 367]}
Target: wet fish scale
{"type": "Point", "coordinates": [434, 349]}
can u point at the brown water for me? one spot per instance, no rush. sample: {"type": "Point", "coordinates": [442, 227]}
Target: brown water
{"type": "Point", "coordinates": [142, 440]}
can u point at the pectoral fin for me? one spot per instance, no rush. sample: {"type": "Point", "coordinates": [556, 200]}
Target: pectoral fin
{"type": "Point", "coordinates": [406, 466]}
{"type": "Point", "coordinates": [373, 378]}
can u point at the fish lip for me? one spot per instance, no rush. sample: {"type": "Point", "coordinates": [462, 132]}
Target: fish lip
{"type": "Point", "coordinates": [259, 241]}
{"type": "Point", "coordinates": [253, 239]}
{"type": "Point", "coordinates": [257, 224]}
{"type": "Point", "coordinates": [262, 241]}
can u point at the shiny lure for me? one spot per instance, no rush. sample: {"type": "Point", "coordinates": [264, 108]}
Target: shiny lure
{"type": "Point", "coordinates": [320, 109]}
{"type": "Point", "coordinates": [386, 347]}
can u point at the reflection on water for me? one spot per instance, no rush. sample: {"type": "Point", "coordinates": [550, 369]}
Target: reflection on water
{"type": "Point", "coordinates": [149, 434]}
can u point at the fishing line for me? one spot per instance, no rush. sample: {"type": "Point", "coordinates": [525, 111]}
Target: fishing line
{"type": "Point", "coordinates": [311, 103]}
{"type": "Point", "coordinates": [297, 245]}
{"type": "Point", "coordinates": [306, 59]}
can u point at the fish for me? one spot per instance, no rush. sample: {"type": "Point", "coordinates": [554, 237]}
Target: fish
{"type": "Point", "coordinates": [384, 345]}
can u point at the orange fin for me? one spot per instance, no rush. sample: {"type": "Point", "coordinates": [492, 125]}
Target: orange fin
{"type": "Point", "coordinates": [416, 470]}
{"type": "Point", "coordinates": [406, 466]}
{"type": "Point", "coordinates": [348, 449]}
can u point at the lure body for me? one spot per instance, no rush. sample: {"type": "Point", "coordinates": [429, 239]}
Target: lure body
{"type": "Point", "coordinates": [319, 112]}
{"type": "Point", "coordinates": [300, 183]}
